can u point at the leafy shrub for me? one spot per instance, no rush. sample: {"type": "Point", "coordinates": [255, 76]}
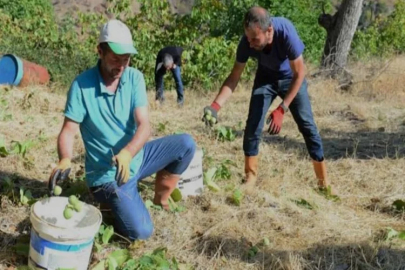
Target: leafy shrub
{"type": "Point", "coordinates": [383, 37]}
{"type": "Point", "coordinates": [209, 35]}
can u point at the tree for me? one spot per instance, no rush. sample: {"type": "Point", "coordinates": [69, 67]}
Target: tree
{"type": "Point", "coordinates": [340, 29]}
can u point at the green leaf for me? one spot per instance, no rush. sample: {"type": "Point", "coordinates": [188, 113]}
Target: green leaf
{"type": "Point", "coordinates": [174, 262]}
{"type": "Point", "coordinates": [391, 234]}
{"type": "Point", "coordinates": [22, 249]}
{"type": "Point", "coordinates": [209, 175]}
{"type": "Point", "coordinates": [161, 262]}
{"type": "Point", "coordinates": [172, 204]}
{"type": "Point", "coordinates": [28, 194]}
{"type": "Point", "coordinates": [148, 204]}
{"type": "Point", "coordinates": [161, 127]}
{"type": "Point", "coordinates": [99, 266]}
{"type": "Point", "coordinates": [101, 230]}
{"type": "Point", "coordinates": [23, 199]}
{"type": "Point", "coordinates": [146, 261]}
{"type": "Point", "coordinates": [160, 251]}
{"type": "Point", "coordinates": [112, 263]}
{"type": "Point", "coordinates": [401, 235]}
{"type": "Point", "coordinates": [131, 265]}
{"type": "Point", "coordinates": [237, 197]}
{"type": "Point", "coordinates": [266, 241]}
{"type": "Point", "coordinates": [213, 187]}
{"type": "Point", "coordinates": [327, 193]}
{"type": "Point", "coordinates": [303, 203]}
{"type": "Point", "coordinates": [120, 256]}
{"type": "Point", "coordinates": [108, 233]}
{"type": "Point", "coordinates": [3, 150]}
{"type": "Point", "coordinates": [98, 247]}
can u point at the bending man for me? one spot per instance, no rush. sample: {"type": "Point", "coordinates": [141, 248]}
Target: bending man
{"type": "Point", "coordinates": [274, 42]}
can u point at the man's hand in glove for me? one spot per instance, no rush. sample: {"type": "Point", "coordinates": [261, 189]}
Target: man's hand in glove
{"type": "Point", "coordinates": [59, 173]}
{"type": "Point", "coordinates": [210, 116]}
{"type": "Point", "coordinates": [122, 161]}
{"type": "Point", "coordinates": [276, 120]}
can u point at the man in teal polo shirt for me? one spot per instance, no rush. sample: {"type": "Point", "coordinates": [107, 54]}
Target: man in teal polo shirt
{"type": "Point", "coordinates": [108, 103]}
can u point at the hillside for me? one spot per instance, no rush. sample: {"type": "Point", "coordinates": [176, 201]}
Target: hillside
{"type": "Point", "coordinates": [363, 136]}
{"type": "Point", "coordinates": [62, 7]}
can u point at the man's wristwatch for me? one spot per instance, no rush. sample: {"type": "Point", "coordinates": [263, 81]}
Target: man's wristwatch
{"type": "Point", "coordinates": [285, 108]}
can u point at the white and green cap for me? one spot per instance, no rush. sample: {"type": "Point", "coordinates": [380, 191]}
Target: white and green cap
{"type": "Point", "coordinates": [118, 37]}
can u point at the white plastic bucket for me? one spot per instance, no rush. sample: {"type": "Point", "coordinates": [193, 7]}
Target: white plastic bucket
{"type": "Point", "coordinates": [58, 243]}
{"type": "Point", "coordinates": [191, 180]}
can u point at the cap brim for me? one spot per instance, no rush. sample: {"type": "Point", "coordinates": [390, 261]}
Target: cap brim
{"type": "Point", "coordinates": [119, 48]}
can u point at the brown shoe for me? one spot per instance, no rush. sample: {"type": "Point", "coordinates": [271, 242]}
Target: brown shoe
{"type": "Point", "coordinates": [321, 175]}
{"type": "Point", "coordinates": [251, 170]}
{"type": "Point", "coordinates": [165, 183]}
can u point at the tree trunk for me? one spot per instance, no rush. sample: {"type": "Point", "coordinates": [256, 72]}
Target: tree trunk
{"type": "Point", "coordinates": [340, 30]}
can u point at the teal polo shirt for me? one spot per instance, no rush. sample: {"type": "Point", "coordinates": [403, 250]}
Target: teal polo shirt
{"type": "Point", "coordinates": [106, 120]}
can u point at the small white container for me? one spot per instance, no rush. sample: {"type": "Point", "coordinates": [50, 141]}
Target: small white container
{"type": "Point", "coordinates": [191, 180]}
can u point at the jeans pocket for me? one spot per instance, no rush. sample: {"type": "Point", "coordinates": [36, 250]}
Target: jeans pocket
{"type": "Point", "coordinates": [284, 85]}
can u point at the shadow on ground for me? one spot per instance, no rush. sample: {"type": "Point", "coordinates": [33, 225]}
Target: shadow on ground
{"type": "Point", "coordinates": [351, 256]}
{"type": "Point", "coordinates": [337, 145]}
{"type": "Point", "coordinates": [362, 144]}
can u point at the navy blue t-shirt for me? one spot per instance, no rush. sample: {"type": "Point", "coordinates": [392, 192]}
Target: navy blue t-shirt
{"type": "Point", "coordinates": [273, 64]}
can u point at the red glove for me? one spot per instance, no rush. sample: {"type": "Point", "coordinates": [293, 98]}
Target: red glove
{"type": "Point", "coordinates": [276, 120]}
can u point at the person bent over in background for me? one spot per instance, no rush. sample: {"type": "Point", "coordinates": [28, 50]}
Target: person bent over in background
{"type": "Point", "coordinates": [169, 58]}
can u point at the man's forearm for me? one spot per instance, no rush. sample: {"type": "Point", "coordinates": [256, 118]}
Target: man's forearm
{"type": "Point", "coordinates": [140, 138]}
{"type": "Point", "coordinates": [65, 145]}
{"type": "Point", "coordinates": [226, 91]}
{"type": "Point", "coordinates": [294, 88]}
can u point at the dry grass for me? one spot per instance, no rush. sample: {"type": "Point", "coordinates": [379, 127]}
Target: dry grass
{"type": "Point", "coordinates": [362, 131]}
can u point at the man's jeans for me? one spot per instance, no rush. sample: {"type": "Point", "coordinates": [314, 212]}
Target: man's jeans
{"type": "Point", "coordinates": [160, 86]}
{"type": "Point", "coordinates": [172, 153]}
{"type": "Point", "coordinates": [300, 108]}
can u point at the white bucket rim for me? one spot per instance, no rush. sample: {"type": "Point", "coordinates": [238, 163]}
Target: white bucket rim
{"type": "Point", "coordinates": [64, 233]}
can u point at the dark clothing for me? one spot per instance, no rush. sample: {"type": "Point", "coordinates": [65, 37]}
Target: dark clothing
{"type": "Point", "coordinates": [179, 84]}
{"type": "Point", "coordinates": [300, 108]}
{"type": "Point", "coordinates": [160, 71]}
{"type": "Point", "coordinates": [273, 62]}
{"type": "Point", "coordinates": [174, 51]}
{"type": "Point", "coordinates": [273, 78]}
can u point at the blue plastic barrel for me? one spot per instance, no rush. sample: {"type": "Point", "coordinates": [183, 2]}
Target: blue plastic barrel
{"type": "Point", "coordinates": [11, 70]}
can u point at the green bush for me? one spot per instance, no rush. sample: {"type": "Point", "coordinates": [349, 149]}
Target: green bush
{"type": "Point", "coordinates": [43, 41]}
{"type": "Point", "coordinates": [209, 35]}
{"type": "Point", "coordinates": [20, 9]}
{"type": "Point", "coordinates": [385, 36]}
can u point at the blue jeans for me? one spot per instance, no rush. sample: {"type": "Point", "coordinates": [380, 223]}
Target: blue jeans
{"type": "Point", "coordinates": [177, 78]}
{"type": "Point", "coordinates": [262, 96]}
{"type": "Point", "coordinates": [171, 153]}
